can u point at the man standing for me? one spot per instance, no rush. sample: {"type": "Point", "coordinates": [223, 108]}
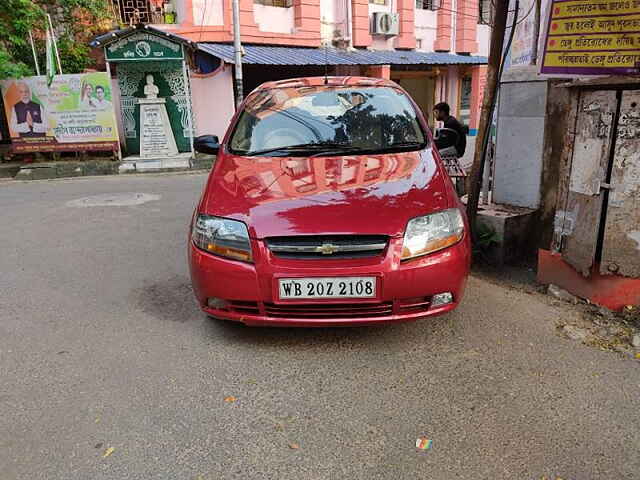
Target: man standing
{"type": "Point", "coordinates": [100, 101]}
{"type": "Point", "coordinates": [27, 116]}
{"type": "Point", "coordinates": [448, 142]}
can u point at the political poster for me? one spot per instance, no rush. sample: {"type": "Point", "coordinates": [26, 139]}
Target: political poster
{"type": "Point", "coordinates": [524, 39]}
{"type": "Point", "coordinates": [592, 37]}
{"type": "Point", "coordinates": [74, 113]}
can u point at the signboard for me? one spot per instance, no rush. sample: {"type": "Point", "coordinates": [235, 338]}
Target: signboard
{"type": "Point", "coordinates": [74, 114]}
{"type": "Point", "coordinates": [592, 37]}
{"type": "Point", "coordinates": [143, 46]}
{"type": "Point", "coordinates": [525, 36]}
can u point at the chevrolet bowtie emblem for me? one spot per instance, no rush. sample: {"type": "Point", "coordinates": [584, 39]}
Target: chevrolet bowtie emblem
{"type": "Point", "coordinates": [327, 249]}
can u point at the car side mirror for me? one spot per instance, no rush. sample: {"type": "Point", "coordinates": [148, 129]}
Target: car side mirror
{"type": "Point", "coordinates": [209, 144]}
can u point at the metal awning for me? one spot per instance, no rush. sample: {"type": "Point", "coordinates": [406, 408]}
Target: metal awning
{"type": "Point", "coordinates": [264, 55]}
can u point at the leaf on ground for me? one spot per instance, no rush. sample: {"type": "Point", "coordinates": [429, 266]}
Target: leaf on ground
{"type": "Point", "coordinates": [638, 356]}
{"type": "Point", "coordinates": [294, 446]}
{"type": "Point", "coordinates": [230, 399]}
{"type": "Point", "coordinates": [108, 452]}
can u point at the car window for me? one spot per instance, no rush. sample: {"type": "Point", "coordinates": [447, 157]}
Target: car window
{"type": "Point", "coordinates": [368, 118]}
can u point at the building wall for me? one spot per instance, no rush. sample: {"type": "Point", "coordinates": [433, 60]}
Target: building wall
{"type": "Point", "coordinates": [426, 27]}
{"type": "Point", "coordinates": [213, 104]}
{"type": "Point", "coordinates": [312, 22]}
{"type": "Point", "coordinates": [207, 12]}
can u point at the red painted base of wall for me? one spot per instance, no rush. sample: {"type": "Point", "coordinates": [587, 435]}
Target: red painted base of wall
{"type": "Point", "coordinates": [611, 291]}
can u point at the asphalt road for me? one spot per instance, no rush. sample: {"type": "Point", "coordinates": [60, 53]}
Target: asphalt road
{"type": "Point", "coordinates": [102, 346]}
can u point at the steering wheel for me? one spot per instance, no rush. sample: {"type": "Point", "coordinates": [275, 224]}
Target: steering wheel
{"type": "Point", "coordinates": [282, 137]}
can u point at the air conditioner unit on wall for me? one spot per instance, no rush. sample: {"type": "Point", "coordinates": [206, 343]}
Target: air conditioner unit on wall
{"type": "Point", "coordinates": [385, 23]}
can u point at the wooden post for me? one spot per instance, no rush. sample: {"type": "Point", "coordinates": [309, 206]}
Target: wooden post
{"type": "Point", "coordinates": [488, 102]}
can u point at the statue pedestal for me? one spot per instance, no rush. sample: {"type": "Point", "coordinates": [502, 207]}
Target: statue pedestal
{"type": "Point", "coordinates": [156, 136]}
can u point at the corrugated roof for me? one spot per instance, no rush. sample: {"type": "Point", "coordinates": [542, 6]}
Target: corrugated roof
{"type": "Point", "coordinates": [263, 55]}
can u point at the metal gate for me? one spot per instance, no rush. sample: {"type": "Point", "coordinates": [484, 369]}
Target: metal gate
{"type": "Point", "coordinates": [599, 222]}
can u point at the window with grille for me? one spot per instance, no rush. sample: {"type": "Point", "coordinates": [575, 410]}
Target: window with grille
{"type": "Point", "coordinates": [132, 12]}
{"type": "Point", "coordinates": [484, 12]}
{"type": "Point", "coordinates": [275, 3]}
{"type": "Point", "coordinates": [428, 4]}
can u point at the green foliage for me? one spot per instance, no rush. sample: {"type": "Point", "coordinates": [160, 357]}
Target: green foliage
{"type": "Point", "coordinates": [486, 237]}
{"type": "Point", "coordinates": [78, 22]}
{"type": "Point", "coordinates": [74, 56]}
{"type": "Point", "coordinates": [18, 17]}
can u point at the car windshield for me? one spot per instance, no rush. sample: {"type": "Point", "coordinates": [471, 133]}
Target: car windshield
{"type": "Point", "coordinates": [327, 119]}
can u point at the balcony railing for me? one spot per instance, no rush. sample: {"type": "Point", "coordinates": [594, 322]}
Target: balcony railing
{"type": "Point", "coordinates": [133, 12]}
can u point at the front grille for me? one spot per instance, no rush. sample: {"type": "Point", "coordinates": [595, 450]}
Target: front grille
{"type": "Point", "coordinates": [329, 310]}
{"type": "Point", "coordinates": [247, 308]}
{"type": "Point", "coordinates": [328, 247]}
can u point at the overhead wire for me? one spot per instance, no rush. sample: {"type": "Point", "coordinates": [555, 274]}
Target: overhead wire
{"type": "Point", "coordinates": [204, 13]}
{"type": "Point", "coordinates": [505, 54]}
{"type": "Point", "coordinates": [477, 17]}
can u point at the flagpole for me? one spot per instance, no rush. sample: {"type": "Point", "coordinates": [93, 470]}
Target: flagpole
{"type": "Point", "coordinates": [35, 57]}
{"type": "Point", "coordinates": [55, 44]}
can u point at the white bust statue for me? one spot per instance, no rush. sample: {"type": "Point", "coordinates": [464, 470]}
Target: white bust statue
{"type": "Point", "coordinates": [151, 90]}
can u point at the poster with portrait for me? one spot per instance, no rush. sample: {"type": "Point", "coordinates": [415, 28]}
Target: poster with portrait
{"type": "Point", "coordinates": [74, 113]}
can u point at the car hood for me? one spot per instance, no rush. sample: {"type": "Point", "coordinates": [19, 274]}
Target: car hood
{"type": "Point", "coordinates": [364, 194]}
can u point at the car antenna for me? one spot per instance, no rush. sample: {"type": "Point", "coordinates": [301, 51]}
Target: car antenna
{"type": "Point", "coordinates": [326, 64]}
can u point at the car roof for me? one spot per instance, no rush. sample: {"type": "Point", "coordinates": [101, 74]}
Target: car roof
{"type": "Point", "coordinates": [329, 81]}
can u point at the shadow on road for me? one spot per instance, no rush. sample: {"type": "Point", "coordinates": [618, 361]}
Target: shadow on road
{"type": "Point", "coordinates": [173, 300]}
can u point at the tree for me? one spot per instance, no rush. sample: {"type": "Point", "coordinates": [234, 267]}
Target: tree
{"type": "Point", "coordinates": [18, 17]}
{"type": "Point", "coordinates": [75, 22]}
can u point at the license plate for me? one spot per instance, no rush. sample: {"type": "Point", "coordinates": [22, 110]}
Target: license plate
{"type": "Point", "coordinates": [327, 287]}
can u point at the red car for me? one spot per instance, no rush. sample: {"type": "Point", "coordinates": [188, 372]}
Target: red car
{"type": "Point", "coordinates": [327, 205]}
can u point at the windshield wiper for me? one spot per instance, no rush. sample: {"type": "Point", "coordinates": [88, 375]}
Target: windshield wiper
{"type": "Point", "coordinates": [399, 145]}
{"type": "Point", "coordinates": [308, 147]}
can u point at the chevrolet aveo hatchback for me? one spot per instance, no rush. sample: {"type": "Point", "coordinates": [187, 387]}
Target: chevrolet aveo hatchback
{"type": "Point", "coordinates": [327, 205]}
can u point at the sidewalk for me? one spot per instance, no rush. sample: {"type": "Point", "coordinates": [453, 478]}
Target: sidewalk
{"type": "Point", "coordinates": [89, 168]}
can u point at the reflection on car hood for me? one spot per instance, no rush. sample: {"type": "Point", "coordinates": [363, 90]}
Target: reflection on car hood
{"type": "Point", "coordinates": [364, 194]}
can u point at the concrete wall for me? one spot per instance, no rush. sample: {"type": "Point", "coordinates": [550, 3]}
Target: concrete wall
{"type": "Point", "coordinates": [313, 22]}
{"type": "Point", "coordinates": [274, 19]}
{"type": "Point", "coordinates": [213, 104]}
{"type": "Point", "coordinates": [484, 39]}
{"type": "Point", "coordinates": [426, 26]}
{"type": "Point", "coordinates": [207, 12]}
{"type": "Point", "coordinates": [520, 142]}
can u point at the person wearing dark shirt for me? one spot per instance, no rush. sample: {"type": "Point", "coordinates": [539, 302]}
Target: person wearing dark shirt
{"type": "Point", "coordinates": [450, 143]}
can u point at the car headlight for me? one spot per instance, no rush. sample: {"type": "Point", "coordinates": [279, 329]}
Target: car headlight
{"type": "Point", "coordinates": [221, 236]}
{"type": "Point", "coordinates": [432, 233]}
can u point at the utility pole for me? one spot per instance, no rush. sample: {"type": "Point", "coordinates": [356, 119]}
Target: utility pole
{"type": "Point", "coordinates": [488, 103]}
{"type": "Point", "coordinates": [237, 47]}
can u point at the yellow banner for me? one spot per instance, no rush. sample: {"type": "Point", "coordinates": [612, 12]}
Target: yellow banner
{"type": "Point", "coordinates": [581, 8]}
{"type": "Point", "coordinates": [628, 23]}
{"type": "Point", "coordinates": [592, 59]}
{"type": "Point", "coordinates": [600, 42]}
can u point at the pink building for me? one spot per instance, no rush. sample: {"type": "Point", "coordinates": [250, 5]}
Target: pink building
{"type": "Point", "coordinates": [435, 49]}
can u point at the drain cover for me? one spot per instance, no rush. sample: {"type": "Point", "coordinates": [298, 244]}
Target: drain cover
{"type": "Point", "coordinates": [114, 200]}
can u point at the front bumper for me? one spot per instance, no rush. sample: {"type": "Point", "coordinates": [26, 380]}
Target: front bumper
{"type": "Point", "coordinates": [404, 288]}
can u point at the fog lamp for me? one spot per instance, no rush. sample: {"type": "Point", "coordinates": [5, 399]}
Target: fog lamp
{"type": "Point", "coordinates": [216, 303]}
{"type": "Point", "coordinates": [441, 299]}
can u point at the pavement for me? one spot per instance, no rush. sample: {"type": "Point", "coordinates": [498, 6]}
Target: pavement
{"type": "Point", "coordinates": [108, 370]}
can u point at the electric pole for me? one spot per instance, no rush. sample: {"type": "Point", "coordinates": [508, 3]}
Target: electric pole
{"type": "Point", "coordinates": [488, 103]}
{"type": "Point", "coordinates": [237, 47]}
